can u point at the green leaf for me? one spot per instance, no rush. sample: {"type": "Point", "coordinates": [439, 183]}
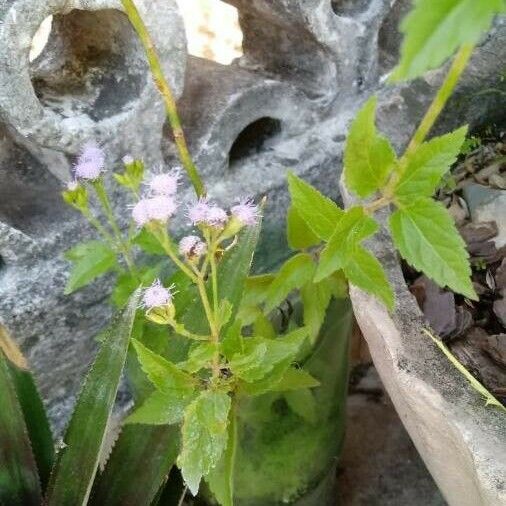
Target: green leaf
{"type": "Point", "coordinates": [315, 301]}
{"type": "Point", "coordinates": [435, 30]}
{"type": "Point", "coordinates": [221, 478]}
{"type": "Point", "coordinates": [126, 284]}
{"type": "Point", "coordinates": [162, 408]}
{"type": "Point", "coordinates": [91, 259]}
{"type": "Point", "coordinates": [148, 243]}
{"type": "Point", "coordinates": [428, 165]}
{"type": "Point", "coordinates": [34, 414]}
{"type": "Point", "coordinates": [352, 229]}
{"type": "Point", "coordinates": [427, 239]}
{"type": "Point", "coordinates": [200, 356]}
{"type": "Point", "coordinates": [303, 403]}
{"type": "Point", "coordinates": [262, 326]}
{"type": "Point", "coordinates": [86, 432]}
{"type": "Point", "coordinates": [224, 312]}
{"type": "Point", "coordinates": [19, 480]}
{"type": "Point", "coordinates": [261, 356]}
{"type": "Point", "coordinates": [204, 436]}
{"type": "Point", "coordinates": [367, 273]}
{"type": "Point", "coordinates": [233, 341]}
{"type": "Point", "coordinates": [138, 466]}
{"type": "Point", "coordinates": [293, 379]}
{"type": "Point", "coordinates": [164, 375]}
{"type": "Point", "coordinates": [318, 211]}
{"type": "Point", "coordinates": [368, 157]}
{"type": "Point", "coordinates": [299, 235]}
{"type": "Point", "coordinates": [295, 273]}
{"type": "Point", "coordinates": [255, 293]}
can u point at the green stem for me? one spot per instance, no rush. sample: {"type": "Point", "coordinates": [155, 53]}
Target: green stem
{"type": "Point", "coordinates": [98, 226]}
{"type": "Point", "coordinates": [163, 238]}
{"type": "Point", "coordinates": [444, 93]}
{"type": "Point", "coordinates": [99, 187]}
{"type": "Point", "coordinates": [166, 92]}
{"type": "Point", "coordinates": [436, 107]}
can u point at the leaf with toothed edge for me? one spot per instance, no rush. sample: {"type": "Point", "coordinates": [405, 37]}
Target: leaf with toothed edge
{"type": "Point", "coordinates": [19, 480]}
{"type": "Point", "coordinates": [32, 407]}
{"type": "Point", "coordinates": [77, 463]}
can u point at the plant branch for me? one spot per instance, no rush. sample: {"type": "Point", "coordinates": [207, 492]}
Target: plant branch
{"type": "Point", "coordinates": [168, 97]}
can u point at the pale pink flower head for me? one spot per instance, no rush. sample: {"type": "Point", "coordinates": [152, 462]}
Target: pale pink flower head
{"type": "Point", "coordinates": [192, 246]}
{"type": "Point", "coordinates": [161, 208]}
{"type": "Point", "coordinates": [216, 217]}
{"type": "Point", "coordinates": [247, 212]}
{"type": "Point", "coordinates": [128, 160]}
{"type": "Point", "coordinates": [157, 295]}
{"type": "Point", "coordinates": [197, 212]}
{"type": "Point", "coordinates": [140, 212]}
{"type": "Point", "coordinates": [90, 162]}
{"type": "Point", "coordinates": [165, 183]}
{"type": "Point", "coordinates": [157, 208]}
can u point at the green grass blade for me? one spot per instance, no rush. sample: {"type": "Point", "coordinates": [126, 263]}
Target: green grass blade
{"type": "Point", "coordinates": [19, 480]}
{"type": "Point", "coordinates": [139, 463]}
{"type": "Point", "coordinates": [490, 400]}
{"type": "Point", "coordinates": [77, 462]}
{"type": "Point", "coordinates": [32, 407]}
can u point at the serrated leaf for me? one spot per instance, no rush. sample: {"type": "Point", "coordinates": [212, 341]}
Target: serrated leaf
{"type": "Point", "coordinates": [91, 260]}
{"type": "Point", "coordinates": [318, 211]}
{"type": "Point", "coordinates": [261, 356]}
{"type": "Point", "coordinates": [255, 293]}
{"type": "Point", "coordinates": [262, 326]}
{"type": "Point", "coordinates": [426, 237]}
{"type": "Point", "coordinates": [221, 478]}
{"type": "Point", "coordinates": [303, 403]}
{"type": "Point", "coordinates": [233, 341]}
{"type": "Point", "coordinates": [164, 375]}
{"type": "Point", "coordinates": [299, 235]}
{"type": "Point", "coordinates": [86, 432]}
{"type": "Point", "coordinates": [354, 227]}
{"type": "Point", "coordinates": [200, 356]}
{"type": "Point", "coordinates": [295, 273]}
{"type": "Point", "coordinates": [428, 165]}
{"type": "Point", "coordinates": [148, 243]}
{"type": "Point", "coordinates": [367, 273]}
{"type": "Point", "coordinates": [368, 157]}
{"type": "Point", "coordinates": [204, 436]}
{"type": "Point", "coordinates": [140, 461]}
{"type": "Point", "coordinates": [293, 379]}
{"type": "Point", "coordinates": [434, 30]}
{"type": "Point", "coordinates": [315, 301]}
{"type": "Point", "coordinates": [32, 407]}
{"type": "Point", "coordinates": [162, 408]}
{"type": "Point", "coordinates": [19, 480]}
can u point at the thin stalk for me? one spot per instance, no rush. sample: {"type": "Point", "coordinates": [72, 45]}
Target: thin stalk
{"type": "Point", "coordinates": [163, 238]}
{"type": "Point", "coordinates": [453, 76]}
{"type": "Point", "coordinates": [214, 280]}
{"type": "Point", "coordinates": [444, 93]}
{"type": "Point", "coordinates": [168, 96]}
{"type": "Point", "coordinates": [106, 205]}
{"type": "Point", "coordinates": [98, 226]}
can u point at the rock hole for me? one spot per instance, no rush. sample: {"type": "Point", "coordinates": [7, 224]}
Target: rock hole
{"type": "Point", "coordinates": [87, 63]}
{"type": "Point", "coordinates": [349, 7]}
{"type": "Point", "coordinates": [255, 138]}
{"type": "Point", "coordinates": [212, 30]}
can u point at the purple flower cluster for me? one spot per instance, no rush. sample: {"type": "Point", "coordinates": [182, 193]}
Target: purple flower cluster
{"type": "Point", "coordinates": [192, 246]}
{"type": "Point", "coordinates": [90, 162]}
{"type": "Point", "coordinates": [157, 295]}
{"type": "Point", "coordinates": [204, 212]}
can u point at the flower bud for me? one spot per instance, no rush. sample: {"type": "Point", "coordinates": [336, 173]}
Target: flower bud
{"type": "Point", "coordinates": [76, 196]}
{"type": "Point", "coordinates": [162, 315]}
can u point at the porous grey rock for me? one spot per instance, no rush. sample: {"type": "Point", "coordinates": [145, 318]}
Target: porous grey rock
{"type": "Point", "coordinates": [91, 81]}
